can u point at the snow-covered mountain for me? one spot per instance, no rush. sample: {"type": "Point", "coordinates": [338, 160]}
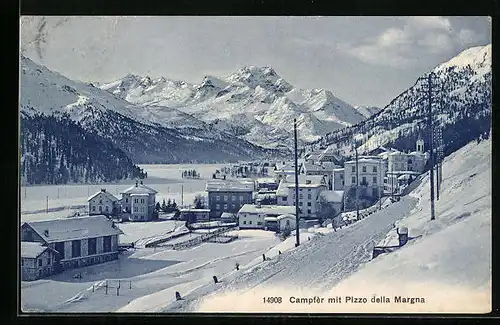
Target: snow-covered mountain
{"type": "Point", "coordinates": [461, 104]}
{"type": "Point", "coordinates": [367, 111]}
{"type": "Point", "coordinates": [254, 101]}
{"type": "Point", "coordinates": [145, 133]}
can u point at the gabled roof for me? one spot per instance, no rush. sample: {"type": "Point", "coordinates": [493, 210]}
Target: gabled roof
{"type": "Point", "coordinates": [267, 209]}
{"type": "Point", "coordinates": [139, 189]}
{"type": "Point", "coordinates": [229, 187]}
{"type": "Point", "coordinates": [106, 194]}
{"type": "Point", "coordinates": [33, 249]}
{"type": "Point", "coordinates": [74, 228]}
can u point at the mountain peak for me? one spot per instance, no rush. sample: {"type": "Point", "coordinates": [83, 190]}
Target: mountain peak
{"type": "Point", "coordinates": [478, 58]}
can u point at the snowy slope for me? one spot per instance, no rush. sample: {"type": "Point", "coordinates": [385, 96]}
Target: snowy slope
{"type": "Point", "coordinates": [447, 263]}
{"type": "Point", "coordinates": [251, 93]}
{"type": "Point", "coordinates": [367, 111]}
{"type": "Point", "coordinates": [461, 105]}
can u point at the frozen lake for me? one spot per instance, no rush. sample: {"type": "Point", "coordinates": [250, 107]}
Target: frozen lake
{"type": "Point", "coordinates": [63, 200]}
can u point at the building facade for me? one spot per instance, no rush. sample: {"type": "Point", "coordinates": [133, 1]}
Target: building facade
{"type": "Point", "coordinates": [37, 261]}
{"type": "Point", "coordinates": [138, 203]}
{"type": "Point", "coordinates": [371, 175]}
{"type": "Point", "coordinates": [194, 215]}
{"type": "Point", "coordinates": [78, 241]}
{"type": "Point", "coordinates": [338, 179]}
{"type": "Point", "coordinates": [252, 216]}
{"type": "Point", "coordinates": [308, 198]}
{"type": "Point", "coordinates": [227, 197]}
{"type": "Point", "coordinates": [103, 202]}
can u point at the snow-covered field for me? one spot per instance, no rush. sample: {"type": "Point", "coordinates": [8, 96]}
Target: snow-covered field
{"type": "Point", "coordinates": [65, 200]}
{"type": "Point", "coordinates": [445, 267]}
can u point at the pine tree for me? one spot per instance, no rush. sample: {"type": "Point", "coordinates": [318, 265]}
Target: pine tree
{"type": "Point", "coordinates": [163, 206]}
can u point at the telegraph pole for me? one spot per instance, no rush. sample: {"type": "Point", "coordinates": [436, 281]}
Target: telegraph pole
{"type": "Point", "coordinates": [431, 149]}
{"type": "Point", "coordinates": [296, 186]}
{"type": "Point", "coordinates": [182, 195]}
{"type": "Point", "coordinates": [357, 184]}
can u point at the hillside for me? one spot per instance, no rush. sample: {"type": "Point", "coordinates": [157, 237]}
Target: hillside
{"type": "Point", "coordinates": [254, 102]}
{"type": "Point", "coordinates": [447, 261]}
{"type": "Point", "coordinates": [461, 107]}
{"type": "Point", "coordinates": [153, 134]}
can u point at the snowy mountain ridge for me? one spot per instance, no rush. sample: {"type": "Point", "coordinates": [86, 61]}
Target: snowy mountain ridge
{"type": "Point", "coordinates": [461, 107]}
{"type": "Point", "coordinates": [253, 93]}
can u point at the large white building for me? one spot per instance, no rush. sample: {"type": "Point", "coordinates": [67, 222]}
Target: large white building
{"type": "Point", "coordinates": [138, 202]}
{"type": "Point", "coordinates": [253, 215]}
{"type": "Point", "coordinates": [371, 173]}
{"type": "Point", "coordinates": [308, 197]}
{"type": "Point", "coordinates": [103, 202]}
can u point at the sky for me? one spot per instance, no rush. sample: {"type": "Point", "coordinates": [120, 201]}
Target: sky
{"type": "Point", "coordinates": [362, 60]}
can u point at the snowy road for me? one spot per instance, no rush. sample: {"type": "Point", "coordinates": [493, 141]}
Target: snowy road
{"type": "Point", "coordinates": [330, 259]}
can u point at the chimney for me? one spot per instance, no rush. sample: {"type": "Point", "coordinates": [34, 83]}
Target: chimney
{"type": "Point", "coordinates": [46, 233]}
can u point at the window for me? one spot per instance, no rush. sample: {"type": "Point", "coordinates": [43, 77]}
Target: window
{"type": "Point", "coordinates": [364, 169]}
{"type": "Point", "coordinates": [142, 201]}
{"type": "Point", "coordinates": [341, 176]}
{"type": "Point", "coordinates": [241, 197]}
{"type": "Point", "coordinates": [76, 249]}
{"type": "Point", "coordinates": [374, 169]}
{"type": "Point", "coordinates": [107, 208]}
{"type": "Point", "coordinates": [353, 169]}
{"type": "Point", "coordinates": [126, 200]}
{"type": "Point", "coordinates": [354, 180]}
{"type": "Point", "coordinates": [300, 203]}
{"type": "Point", "coordinates": [309, 196]}
{"type": "Point", "coordinates": [100, 201]}
{"type": "Point", "coordinates": [217, 206]}
{"type": "Point", "coordinates": [142, 209]}
{"type": "Point", "coordinates": [40, 262]}
{"type": "Point", "coordinates": [244, 222]}
{"type": "Point", "coordinates": [300, 190]}
{"type": "Point", "coordinates": [308, 204]}
{"type": "Point", "coordinates": [92, 246]}
{"type": "Point", "coordinates": [308, 211]}
{"type": "Point", "coordinates": [225, 198]}
{"type": "Point", "coordinates": [342, 183]}
{"type": "Point", "coordinates": [136, 200]}
{"type": "Point", "coordinates": [309, 190]}
{"type": "Point", "coordinates": [300, 196]}
{"type": "Point", "coordinates": [59, 247]}
{"type": "Point", "coordinates": [233, 198]}
{"type": "Point", "coordinates": [364, 180]}
{"type": "Point", "coordinates": [93, 208]}
{"type": "Point", "coordinates": [48, 261]}
{"type": "Point", "coordinates": [374, 180]}
{"type": "Point", "coordinates": [107, 244]}
{"type": "Point", "coordinates": [250, 222]}
{"type": "Point", "coordinates": [136, 209]}
{"type": "Point", "coordinates": [217, 197]}
{"type": "Point", "coordinates": [225, 206]}
{"type": "Point", "coordinates": [234, 206]}
{"type": "Point", "coordinates": [100, 208]}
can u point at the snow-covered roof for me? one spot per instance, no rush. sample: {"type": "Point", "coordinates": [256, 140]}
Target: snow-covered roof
{"type": "Point", "coordinates": [139, 189]}
{"type": "Point", "coordinates": [227, 215]}
{"type": "Point", "coordinates": [315, 167]}
{"type": "Point", "coordinates": [332, 196]}
{"type": "Point", "coordinates": [270, 219]}
{"type": "Point", "coordinates": [314, 179]}
{"type": "Point", "coordinates": [338, 169]}
{"type": "Point", "coordinates": [139, 194]}
{"type": "Point", "coordinates": [74, 228]}
{"type": "Point", "coordinates": [229, 187]}
{"type": "Point", "coordinates": [266, 180]}
{"type": "Point", "coordinates": [312, 185]}
{"type": "Point", "coordinates": [282, 188]}
{"type": "Point", "coordinates": [194, 210]}
{"type": "Point", "coordinates": [363, 160]}
{"type": "Point", "coordinates": [32, 249]}
{"type": "Point", "coordinates": [285, 216]}
{"type": "Point", "coordinates": [107, 194]}
{"type": "Point", "coordinates": [267, 209]}
{"type": "Point", "coordinates": [329, 165]}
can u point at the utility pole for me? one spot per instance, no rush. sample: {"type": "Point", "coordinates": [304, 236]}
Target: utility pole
{"type": "Point", "coordinates": [47, 207]}
{"type": "Point", "coordinates": [380, 189]}
{"type": "Point", "coordinates": [357, 183]}
{"type": "Point", "coordinates": [297, 243]}
{"type": "Point", "coordinates": [182, 195]}
{"type": "Point", "coordinates": [431, 147]}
